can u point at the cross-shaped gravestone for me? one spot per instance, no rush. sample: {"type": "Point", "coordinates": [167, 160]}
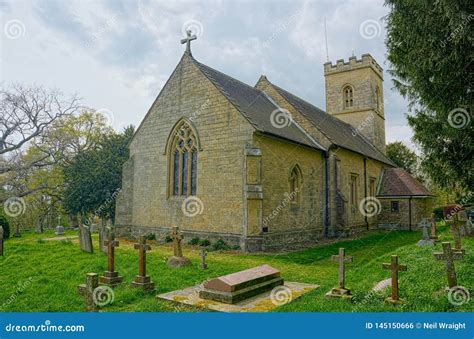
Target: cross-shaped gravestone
{"type": "Point", "coordinates": [425, 240]}
{"type": "Point", "coordinates": [341, 290]}
{"type": "Point", "coordinates": [177, 260]}
{"type": "Point", "coordinates": [190, 37]}
{"type": "Point", "coordinates": [394, 267]}
{"type": "Point", "coordinates": [203, 259]}
{"type": "Point", "coordinates": [142, 280]}
{"type": "Point", "coordinates": [110, 277]}
{"type": "Point", "coordinates": [87, 291]}
{"type": "Point", "coordinates": [433, 236]}
{"type": "Point", "coordinates": [448, 255]}
{"type": "Point", "coordinates": [1, 241]}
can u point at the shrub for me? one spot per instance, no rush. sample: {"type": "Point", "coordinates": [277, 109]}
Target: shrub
{"type": "Point", "coordinates": [168, 239]}
{"type": "Point", "coordinates": [6, 226]}
{"type": "Point", "coordinates": [220, 245]}
{"type": "Point", "coordinates": [204, 242]}
{"type": "Point", "coordinates": [150, 236]}
{"type": "Point", "coordinates": [194, 241]}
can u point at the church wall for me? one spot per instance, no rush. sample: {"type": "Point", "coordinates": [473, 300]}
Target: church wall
{"type": "Point", "coordinates": [223, 134]}
{"type": "Point", "coordinates": [420, 208]}
{"type": "Point", "coordinates": [290, 225]}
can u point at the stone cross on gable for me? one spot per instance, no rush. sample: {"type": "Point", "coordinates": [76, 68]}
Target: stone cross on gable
{"type": "Point", "coordinates": [203, 255]}
{"type": "Point", "coordinates": [190, 37]}
{"type": "Point", "coordinates": [394, 267]}
{"type": "Point", "coordinates": [448, 255]}
{"type": "Point", "coordinates": [87, 291]}
{"type": "Point", "coordinates": [177, 238]}
{"type": "Point", "coordinates": [341, 259]}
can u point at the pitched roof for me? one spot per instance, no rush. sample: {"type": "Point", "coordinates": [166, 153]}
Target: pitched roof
{"type": "Point", "coordinates": [398, 182]}
{"type": "Point", "coordinates": [337, 131]}
{"type": "Point", "coordinates": [256, 107]}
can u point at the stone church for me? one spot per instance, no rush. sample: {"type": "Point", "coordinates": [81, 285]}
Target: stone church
{"type": "Point", "coordinates": [259, 167]}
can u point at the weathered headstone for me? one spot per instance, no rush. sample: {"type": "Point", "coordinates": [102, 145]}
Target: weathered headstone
{"type": "Point", "coordinates": [1, 241]}
{"type": "Point", "coordinates": [235, 287]}
{"type": "Point", "coordinates": [470, 228]}
{"type": "Point", "coordinates": [394, 267]}
{"type": "Point", "coordinates": [448, 255]}
{"type": "Point", "coordinates": [142, 280]}
{"type": "Point", "coordinates": [462, 219]}
{"type": "Point", "coordinates": [93, 227]}
{"type": "Point", "coordinates": [341, 291]}
{"type": "Point", "coordinates": [425, 240]}
{"type": "Point", "coordinates": [87, 291]}
{"type": "Point", "coordinates": [456, 232]}
{"type": "Point", "coordinates": [85, 239]}
{"type": "Point", "coordinates": [103, 234]}
{"type": "Point", "coordinates": [110, 277]}
{"type": "Point", "coordinates": [433, 236]}
{"type": "Point", "coordinates": [177, 260]}
{"type": "Point", "coordinates": [59, 230]}
{"type": "Point", "coordinates": [203, 255]}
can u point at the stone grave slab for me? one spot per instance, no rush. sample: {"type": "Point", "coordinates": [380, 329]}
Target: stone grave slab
{"type": "Point", "coordinates": [264, 302]}
{"type": "Point", "coordinates": [238, 286]}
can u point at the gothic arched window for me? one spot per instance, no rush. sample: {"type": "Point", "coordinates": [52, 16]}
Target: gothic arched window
{"type": "Point", "coordinates": [295, 184]}
{"type": "Point", "coordinates": [182, 155]}
{"type": "Point", "coordinates": [348, 94]}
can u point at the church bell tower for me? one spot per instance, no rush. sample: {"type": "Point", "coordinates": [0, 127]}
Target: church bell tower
{"type": "Point", "coordinates": [354, 94]}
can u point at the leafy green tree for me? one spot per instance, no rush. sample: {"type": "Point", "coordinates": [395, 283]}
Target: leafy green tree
{"type": "Point", "coordinates": [402, 156]}
{"type": "Point", "coordinates": [430, 50]}
{"type": "Point", "coordinates": [94, 177]}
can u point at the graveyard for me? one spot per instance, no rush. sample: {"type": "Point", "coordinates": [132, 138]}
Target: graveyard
{"type": "Point", "coordinates": [42, 272]}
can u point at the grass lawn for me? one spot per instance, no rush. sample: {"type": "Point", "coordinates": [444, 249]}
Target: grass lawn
{"type": "Point", "coordinates": [49, 271]}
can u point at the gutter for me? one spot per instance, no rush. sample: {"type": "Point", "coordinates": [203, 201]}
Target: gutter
{"type": "Point", "coordinates": [326, 193]}
{"type": "Point", "coordinates": [366, 219]}
{"type": "Point", "coordinates": [409, 214]}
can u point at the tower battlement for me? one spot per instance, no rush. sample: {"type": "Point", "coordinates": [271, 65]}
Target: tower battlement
{"type": "Point", "coordinates": [366, 61]}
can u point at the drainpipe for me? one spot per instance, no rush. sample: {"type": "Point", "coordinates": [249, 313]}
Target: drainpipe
{"type": "Point", "coordinates": [365, 192]}
{"type": "Point", "coordinates": [326, 193]}
{"type": "Point", "coordinates": [409, 213]}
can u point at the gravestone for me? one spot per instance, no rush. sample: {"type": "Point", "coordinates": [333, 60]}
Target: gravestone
{"type": "Point", "coordinates": [462, 219]}
{"type": "Point", "coordinates": [456, 232]}
{"type": "Point", "coordinates": [433, 236]}
{"type": "Point", "coordinates": [1, 241]}
{"type": "Point", "coordinates": [341, 291]}
{"type": "Point", "coordinates": [142, 280]}
{"type": "Point", "coordinates": [85, 239]}
{"type": "Point", "coordinates": [110, 277]}
{"type": "Point", "coordinates": [59, 230]}
{"type": "Point", "coordinates": [203, 256]}
{"type": "Point", "coordinates": [448, 255]}
{"type": "Point", "coordinates": [425, 240]}
{"type": "Point", "coordinates": [394, 267]}
{"type": "Point", "coordinates": [177, 260]}
{"type": "Point", "coordinates": [87, 291]}
{"type": "Point", "coordinates": [93, 227]}
{"type": "Point", "coordinates": [103, 234]}
{"type": "Point", "coordinates": [235, 287]}
{"type": "Point", "coordinates": [470, 228]}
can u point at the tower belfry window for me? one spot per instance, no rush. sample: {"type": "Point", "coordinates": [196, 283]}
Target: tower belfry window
{"type": "Point", "coordinates": [348, 93]}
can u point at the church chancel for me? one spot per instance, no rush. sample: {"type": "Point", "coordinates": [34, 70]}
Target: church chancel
{"type": "Point", "coordinates": [259, 167]}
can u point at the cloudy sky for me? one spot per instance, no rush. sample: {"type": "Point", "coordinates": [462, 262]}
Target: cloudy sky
{"type": "Point", "coordinates": [117, 54]}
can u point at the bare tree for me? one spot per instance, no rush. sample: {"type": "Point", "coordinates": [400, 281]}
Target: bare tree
{"type": "Point", "coordinates": [27, 113]}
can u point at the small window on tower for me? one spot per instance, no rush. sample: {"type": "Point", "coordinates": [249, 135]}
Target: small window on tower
{"type": "Point", "coordinates": [348, 93]}
{"type": "Point", "coordinates": [377, 98]}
